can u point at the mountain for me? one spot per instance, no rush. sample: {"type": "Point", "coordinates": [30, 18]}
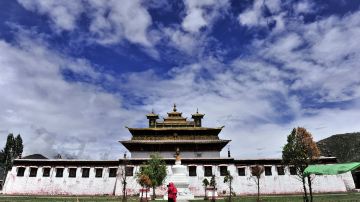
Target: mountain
{"type": "Point", "coordinates": [34, 156]}
{"type": "Point", "coordinates": [346, 147]}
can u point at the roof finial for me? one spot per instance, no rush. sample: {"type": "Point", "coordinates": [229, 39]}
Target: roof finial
{"type": "Point", "coordinates": [174, 107]}
{"type": "Point", "coordinates": [229, 155]}
{"type": "Point", "coordinates": [197, 110]}
{"type": "Point", "coordinates": [152, 110]}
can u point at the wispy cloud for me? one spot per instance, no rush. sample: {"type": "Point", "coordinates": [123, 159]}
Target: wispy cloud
{"type": "Point", "coordinates": [292, 72]}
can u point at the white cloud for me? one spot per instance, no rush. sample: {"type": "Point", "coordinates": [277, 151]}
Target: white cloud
{"type": "Point", "coordinates": [252, 16]}
{"type": "Point", "coordinates": [63, 14]}
{"type": "Point", "coordinates": [185, 42]}
{"type": "Point", "coordinates": [110, 21]}
{"type": "Point", "coordinates": [323, 55]}
{"type": "Point", "coordinates": [200, 14]}
{"type": "Point", "coordinates": [304, 7]}
{"type": "Point", "coordinates": [54, 115]}
{"type": "Point", "coordinates": [255, 15]}
{"type": "Point", "coordinates": [114, 20]}
{"type": "Point", "coordinates": [259, 98]}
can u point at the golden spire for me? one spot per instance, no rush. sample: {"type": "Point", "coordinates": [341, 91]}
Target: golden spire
{"type": "Point", "coordinates": [174, 109]}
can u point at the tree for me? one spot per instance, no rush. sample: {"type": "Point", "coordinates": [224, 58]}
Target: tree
{"type": "Point", "coordinates": [9, 152]}
{"type": "Point", "coordinates": [205, 183]}
{"type": "Point", "coordinates": [123, 176]}
{"type": "Point", "coordinates": [155, 168]}
{"type": "Point", "coordinates": [301, 151]}
{"type": "Point", "coordinates": [256, 172]}
{"type": "Point", "coordinates": [228, 179]}
{"type": "Point", "coordinates": [18, 146]}
{"type": "Point", "coordinates": [213, 185]}
{"type": "Point", "coordinates": [13, 149]}
{"type": "Point", "coordinates": [144, 182]}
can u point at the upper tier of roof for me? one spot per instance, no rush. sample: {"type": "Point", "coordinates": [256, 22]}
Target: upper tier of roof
{"type": "Point", "coordinates": [174, 119]}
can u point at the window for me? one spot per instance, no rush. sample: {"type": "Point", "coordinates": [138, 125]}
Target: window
{"type": "Point", "coordinates": [20, 171]}
{"type": "Point", "coordinates": [192, 170]}
{"type": "Point", "coordinates": [33, 171]}
{"type": "Point", "coordinates": [268, 171]}
{"type": "Point", "coordinates": [98, 172]}
{"type": "Point", "coordinates": [208, 171]}
{"type": "Point", "coordinates": [280, 170]}
{"type": "Point", "coordinates": [46, 172]}
{"type": "Point", "coordinates": [223, 170]}
{"type": "Point", "coordinates": [59, 172]}
{"type": "Point", "coordinates": [292, 170]}
{"type": "Point", "coordinates": [129, 171]}
{"type": "Point", "coordinates": [72, 172]}
{"type": "Point", "coordinates": [85, 172]}
{"type": "Point", "coordinates": [241, 171]}
{"type": "Point", "coordinates": [112, 172]}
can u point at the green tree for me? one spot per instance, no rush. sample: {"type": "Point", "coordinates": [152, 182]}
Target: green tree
{"type": "Point", "coordinates": [228, 179]}
{"type": "Point", "coordinates": [13, 149]}
{"type": "Point", "coordinates": [205, 183]}
{"type": "Point", "coordinates": [9, 152]}
{"type": "Point", "coordinates": [2, 158]}
{"type": "Point", "coordinates": [155, 168]}
{"type": "Point", "coordinates": [301, 151]}
{"type": "Point", "coordinates": [18, 146]}
{"type": "Point", "coordinates": [256, 172]}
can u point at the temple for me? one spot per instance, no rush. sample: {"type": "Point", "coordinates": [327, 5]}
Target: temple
{"type": "Point", "coordinates": [175, 132]}
{"type": "Point", "coordinates": [171, 137]}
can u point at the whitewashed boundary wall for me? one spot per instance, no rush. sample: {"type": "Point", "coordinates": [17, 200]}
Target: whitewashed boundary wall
{"type": "Point", "coordinates": [243, 184]}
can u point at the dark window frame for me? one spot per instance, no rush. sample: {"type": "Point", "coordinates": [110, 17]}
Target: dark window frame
{"type": "Point", "coordinates": [192, 171]}
{"type": "Point", "coordinates": [129, 171]}
{"type": "Point", "coordinates": [20, 171]}
{"type": "Point", "coordinates": [223, 170]}
{"type": "Point", "coordinates": [72, 172]}
{"type": "Point", "coordinates": [47, 172]}
{"type": "Point", "coordinates": [85, 172]}
{"type": "Point", "coordinates": [99, 172]}
{"type": "Point", "coordinates": [33, 171]}
{"type": "Point", "coordinates": [243, 171]}
{"type": "Point", "coordinates": [292, 170]}
{"type": "Point", "coordinates": [208, 171]}
{"type": "Point", "coordinates": [112, 172]}
{"type": "Point", "coordinates": [268, 170]}
{"type": "Point", "coordinates": [58, 173]}
{"type": "Point", "coordinates": [280, 170]}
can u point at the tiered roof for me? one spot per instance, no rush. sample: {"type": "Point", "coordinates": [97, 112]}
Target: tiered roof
{"type": "Point", "coordinates": [174, 130]}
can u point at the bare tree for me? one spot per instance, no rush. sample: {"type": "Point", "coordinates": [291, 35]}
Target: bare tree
{"type": "Point", "coordinates": [213, 185]}
{"type": "Point", "coordinates": [123, 176]}
{"type": "Point", "coordinates": [256, 172]}
{"type": "Point", "coordinates": [228, 179]}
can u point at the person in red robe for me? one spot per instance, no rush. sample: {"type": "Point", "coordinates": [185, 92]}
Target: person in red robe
{"type": "Point", "coordinates": [172, 192]}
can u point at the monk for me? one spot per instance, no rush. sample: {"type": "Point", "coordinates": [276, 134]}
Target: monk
{"type": "Point", "coordinates": [172, 192]}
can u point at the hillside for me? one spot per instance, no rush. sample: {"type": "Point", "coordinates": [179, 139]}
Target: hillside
{"type": "Point", "coordinates": [346, 147]}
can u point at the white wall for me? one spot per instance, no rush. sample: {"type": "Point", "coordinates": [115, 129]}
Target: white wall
{"type": "Point", "coordinates": [53, 185]}
{"type": "Point", "coordinates": [242, 185]}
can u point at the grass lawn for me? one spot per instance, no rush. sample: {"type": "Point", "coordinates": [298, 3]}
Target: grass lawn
{"type": "Point", "coordinates": [297, 198]}
{"type": "Point", "coordinates": [287, 198]}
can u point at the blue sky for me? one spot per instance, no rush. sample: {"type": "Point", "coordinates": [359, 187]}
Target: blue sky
{"type": "Point", "coordinates": [73, 74]}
